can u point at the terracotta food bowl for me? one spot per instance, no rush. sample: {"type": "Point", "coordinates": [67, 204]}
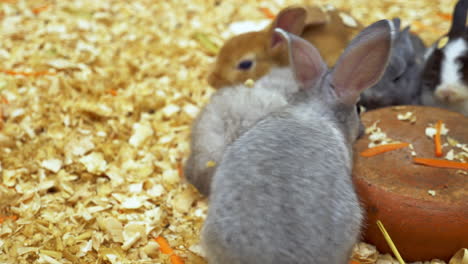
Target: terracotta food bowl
{"type": "Point", "coordinates": [424, 209]}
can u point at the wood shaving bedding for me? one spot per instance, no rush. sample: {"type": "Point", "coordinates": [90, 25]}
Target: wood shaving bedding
{"type": "Point", "coordinates": [96, 102]}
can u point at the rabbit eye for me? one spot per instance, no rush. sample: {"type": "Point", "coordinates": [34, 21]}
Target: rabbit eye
{"type": "Point", "coordinates": [245, 65]}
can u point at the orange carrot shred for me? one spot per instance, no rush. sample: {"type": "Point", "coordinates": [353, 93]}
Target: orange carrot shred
{"type": "Point", "coordinates": [354, 262]}
{"type": "Point", "coordinates": [4, 100]}
{"type": "Point", "coordinates": [445, 16]}
{"type": "Point", "coordinates": [12, 217]}
{"type": "Point", "coordinates": [180, 170]}
{"type": "Point", "coordinates": [166, 249]}
{"type": "Point", "coordinates": [267, 12]}
{"type": "Point", "coordinates": [441, 163]}
{"type": "Point", "coordinates": [40, 9]}
{"type": "Point", "coordinates": [422, 26]}
{"type": "Point", "coordinates": [112, 92]}
{"type": "Point", "coordinates": [438, 144]}
{"type": "Point", "coordinates": [176, 259]}
{"type": "Point", "coordinates": [34, 74]}
{"type": "Point", "coordinates": [382, 149]}
{"type": "Point", "coordinates": [164, 245]}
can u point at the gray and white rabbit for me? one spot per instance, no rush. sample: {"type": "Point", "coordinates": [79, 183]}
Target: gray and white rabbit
{"type": "Point", "coordinates": [233, 109]}
{"type": "Point", "coordinates": [445, 76]}
{"type": "Point", "coordinates": [283, 191]}
{"type": "Point", "coordinates": [401, 82]}
{"type": "Point", "coordinates": [230, 112]}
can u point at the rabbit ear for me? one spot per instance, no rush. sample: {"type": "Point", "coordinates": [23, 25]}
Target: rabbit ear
{"type": "Point", "coordinates": [459, 19]}
{"type": "Point", "coordinates": [290, 19]}
{"type": "Point", "coordinates": [306, 62]}
{"type": "Point", "coordinates": [315, 16]}
{"type": "Point", "coordinates": [363, 62]}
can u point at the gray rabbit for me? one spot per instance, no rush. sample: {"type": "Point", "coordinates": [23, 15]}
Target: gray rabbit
{"type": "Point", "coordinates": [445, 76]}
{"type": "Point", "coordinates": [401, 82]}
{"type": "Point", "coordinates": [283, 191]}
{"type": "Point", "coordinates": [231, 111]}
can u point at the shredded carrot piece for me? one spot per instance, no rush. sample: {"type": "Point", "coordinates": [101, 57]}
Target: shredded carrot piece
{"type": "Point", "coordinates": [12, 217]}
{"type": "Point", "coordinates": [441, 163]}
{"type": "Point", "coordinates": [438, 145]}
{"type": "Point", "coordinates": [422, 26]}
{"type": "Point", "coordinates": [354, 262]}
{"type": "Point", "coordinates": [445, 16]}
{"type": "Point", "coordinates": [267, 12]}
{"type": "Point", "coordinates": [4, 100]}
{"type": "Point", "coordinates": [383, 148]}
{"type": "Point", "coordinates": [176, 259]}
{"type": "Point", "coordinates": [2, 219]}
{"type": "Point", "coordinates": [164, 245]}
{"type": "Point", "coordinates": [34, 74]}
{"type": "Point", "coordinates": [180, 170]}
{"type": "Point", "coordinates": [40, 9]}
{"type": "Point", "coordinates": [166, 249]}
{"type": "Point", "coordinates": [112, 92]}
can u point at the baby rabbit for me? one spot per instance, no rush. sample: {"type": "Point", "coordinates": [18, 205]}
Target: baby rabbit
{"type": "Point", "coordinates": [283, 191]}
{"type": "Point", "coordinates": [329, 31]}
{"type": "Point", "coordinates": [231, 111]}
{"type": "Point", "coordinates": [251, 55]}
{"type": "Point", "coordinates": [445, 76]}
{"type": "Point", "coordinates": [400, 84]}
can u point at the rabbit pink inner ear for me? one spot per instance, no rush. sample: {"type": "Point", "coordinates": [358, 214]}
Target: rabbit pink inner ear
{"type": "Point", "coordinates": [290, 19]}
{"type": "Point", "coordinates": [363, 62]}
{"type": "Point", "coordinates": [306, 62]}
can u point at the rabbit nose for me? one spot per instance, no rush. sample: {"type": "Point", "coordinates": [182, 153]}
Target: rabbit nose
{"type": "Point", "coordinates": [214, 80]}
{"type": "Point", "coordinates": [447, 95]}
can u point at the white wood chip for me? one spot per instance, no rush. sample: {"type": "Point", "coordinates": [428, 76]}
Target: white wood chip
{"type": "Point", "coordinates": [141, 132]}
{"type": "Point", "coordinates": [53, 165]}
{"type": "Point", "coordinates": [94, 162]}
{"type": "Point", "coordinates": [348, 20]}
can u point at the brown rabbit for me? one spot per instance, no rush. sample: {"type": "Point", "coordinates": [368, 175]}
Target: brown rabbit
{"type": "Point", "coordinates": [251, 55]}
{"type": "Point", "coordinates": [330, 31]}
